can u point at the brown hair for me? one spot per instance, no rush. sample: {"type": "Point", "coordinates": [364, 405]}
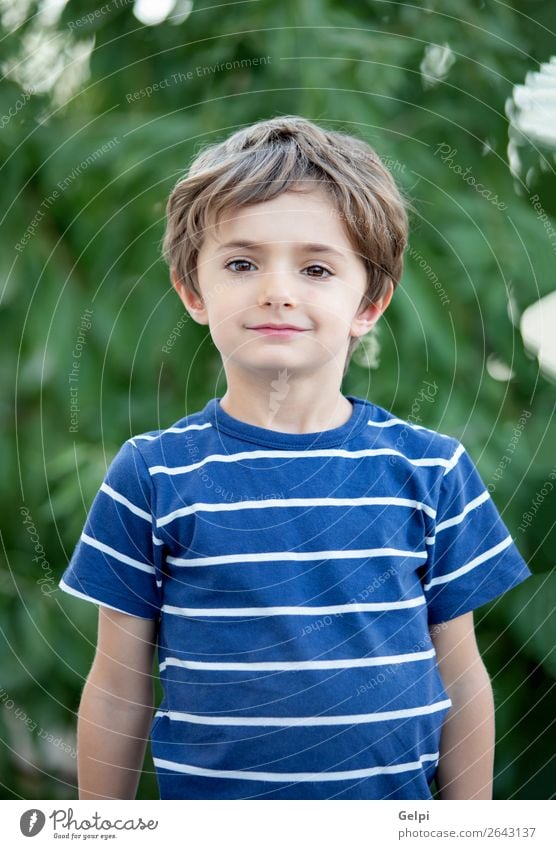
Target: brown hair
{"type": "Point", "coordinates": [270, 157]}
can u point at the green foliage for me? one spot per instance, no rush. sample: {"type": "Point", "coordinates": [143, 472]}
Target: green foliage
{"type": "Point", "coordinates": [85, 181]}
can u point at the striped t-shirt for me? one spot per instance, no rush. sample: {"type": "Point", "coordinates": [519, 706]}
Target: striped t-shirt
{"type": "Point", "coordinates": [294, 578]}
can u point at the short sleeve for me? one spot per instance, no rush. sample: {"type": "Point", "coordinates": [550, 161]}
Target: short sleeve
{"type": "Point", "coordinates": [472, 557]}
{"type": "Point", "coordinates": [116, 561]}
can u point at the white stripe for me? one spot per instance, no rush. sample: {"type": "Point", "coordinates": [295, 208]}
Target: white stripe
{"type": "Point", "coordinates": [77, 594]}
{"type": "Point", "coordinates": [264, 504]}
{"type": "Point", "coordinates": [455, 520]}
{"type": "Point", "coordinates": [454, 459]}
{"type": "Point", "coordinates": [273, 556]}
{"type": "Point", "coordinates": [117, 555]}
{"type": "Point", "coordinates": [295, 665]}
{"type": "Point", "coordinates": [157, 541]}
{"type": "Point", "coordinates": [150, 438]}
{"type": "Point", "coordinates": [486, 555]}
{"type": "Point", "coordinates": [392, 422]}
{"type": "Point", "coordinates": [350, 719]}
{"type": "Point", "coordinates": [116, 496]}
{"type": "Point", "coordinates": [332, 609]}
{"type": "Point", "coordinates": [251, 775]}
{"type": "Point", "coordinates": [321, 452]}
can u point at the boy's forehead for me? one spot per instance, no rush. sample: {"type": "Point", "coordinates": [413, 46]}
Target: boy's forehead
{"type": "Point", "coordinates": [309, 217]}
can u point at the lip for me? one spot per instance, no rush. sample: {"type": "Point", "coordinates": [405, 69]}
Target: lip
{"type": "Point", "coordinates": [276, 326]}
{"type": "Point", "coordinates": [277, 329]}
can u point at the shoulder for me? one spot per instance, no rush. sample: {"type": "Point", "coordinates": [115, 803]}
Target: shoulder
{"type": "Point", "coordinates": [141, 453]}
{"type": "Point", "coordinates": [410, 439]}
{"type": "Point", "coordinates": [153, 444]}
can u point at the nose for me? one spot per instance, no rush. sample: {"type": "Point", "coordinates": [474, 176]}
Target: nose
{"type": "Point", "coordinates": [276, 288]}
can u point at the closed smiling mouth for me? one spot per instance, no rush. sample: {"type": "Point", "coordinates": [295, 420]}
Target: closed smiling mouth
{"type": "Point", "coordinates": [276, 327]}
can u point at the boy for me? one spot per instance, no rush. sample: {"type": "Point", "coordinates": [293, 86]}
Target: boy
{"type": "Point", "coordinates": [309, 578]}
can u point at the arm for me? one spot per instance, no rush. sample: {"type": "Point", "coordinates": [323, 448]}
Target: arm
{"type": "Point", "coordinates": [465, 769]}
{"type": "Point", "coordinates": [116, 707]}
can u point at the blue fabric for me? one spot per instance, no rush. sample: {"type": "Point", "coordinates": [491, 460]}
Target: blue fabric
{"type": "Point", "coordinates": [295, 577]}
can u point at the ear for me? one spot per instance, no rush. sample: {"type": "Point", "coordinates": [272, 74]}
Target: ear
{"type": "Point", "coordinates": [193, 303]}
{"type": "Point", "coordinates": [370, 314]}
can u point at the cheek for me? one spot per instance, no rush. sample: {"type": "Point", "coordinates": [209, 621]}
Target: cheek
{"type": "Point", "coordinates": [225, 314]}
{"type": "Point", "coordinates": [336, 306]}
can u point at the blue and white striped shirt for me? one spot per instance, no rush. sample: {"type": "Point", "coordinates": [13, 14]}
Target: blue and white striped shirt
{"type": "Point", "coordinates": [294, 578]}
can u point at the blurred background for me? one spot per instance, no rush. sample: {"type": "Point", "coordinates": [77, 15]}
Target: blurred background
{"type": "Point", "coordinates": [102, 108]}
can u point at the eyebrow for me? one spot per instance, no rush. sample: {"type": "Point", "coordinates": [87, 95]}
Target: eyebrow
{"type": "Point", "coordinates": [311, 247]}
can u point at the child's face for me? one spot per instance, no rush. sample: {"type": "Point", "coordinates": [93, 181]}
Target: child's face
{"type": "Point", "coordinates": [278, 278]}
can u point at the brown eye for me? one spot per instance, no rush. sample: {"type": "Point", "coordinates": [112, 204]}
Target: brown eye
{"type": "Point", "coordinates": [321, 268]}
{"type": "Point", "coordinates": [240, 261]}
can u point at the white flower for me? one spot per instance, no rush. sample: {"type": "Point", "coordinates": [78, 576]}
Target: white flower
{"type": "Point", "coordinates": [436, 63]}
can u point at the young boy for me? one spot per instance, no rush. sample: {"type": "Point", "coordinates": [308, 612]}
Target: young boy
{"type": "Point", "coordinates": [308, 576]}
